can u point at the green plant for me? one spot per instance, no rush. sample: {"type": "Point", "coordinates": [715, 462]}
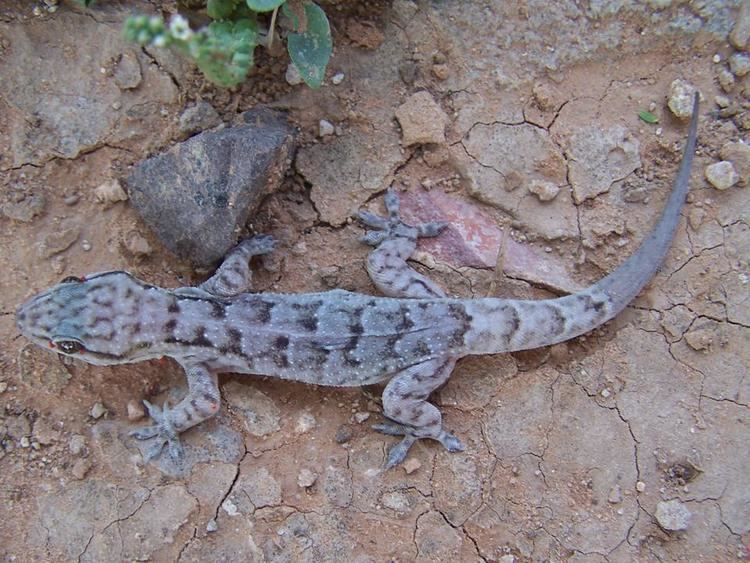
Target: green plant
{"type": "Point", "coordinates": [224, 49]}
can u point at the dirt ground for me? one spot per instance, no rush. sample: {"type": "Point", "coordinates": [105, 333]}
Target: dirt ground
{"type": "Point", "coordinates": [571, 450]}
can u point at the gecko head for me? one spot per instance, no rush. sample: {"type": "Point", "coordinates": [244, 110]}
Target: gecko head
{"type": "Point", "coordinates": [77, 317]}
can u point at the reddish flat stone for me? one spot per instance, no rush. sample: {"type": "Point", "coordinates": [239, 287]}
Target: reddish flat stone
{"type": "Point", "coordinates": [471, 239]}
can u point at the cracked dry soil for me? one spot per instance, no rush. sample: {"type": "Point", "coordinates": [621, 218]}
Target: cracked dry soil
{"type": "Point", "coordinates": [570, 449]}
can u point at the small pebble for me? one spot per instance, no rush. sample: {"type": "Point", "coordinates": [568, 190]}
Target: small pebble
{"type": "Point", "coordinates": [325, 128]}
{"type": "Point", "coordinates": [58, 241]}
{"type": "Point", "coordinates": [672, 515]}
{"type": "Point", "coordinates": [545, 191]}
{"type": "Point", "coordinates": [230, 508]}
{"type": "Point", "coordinates": [726, 79]}
{"type": "Point", "coordinates": [441, 71]}
{"type": "Point", "coordinates": [605, 393]}
{"type": "Point", "coordinates": [3, 386]}
{"type": "Point", "coordinates": [717, 58]}
{"type": "Point", "coordinates": [615, 495]}
{"type": "Point", "coordinates": [98, 410]}
{"type": "Point", "coordinates": [116, 105]}
{"type": "Point", "coordinates": [722, 101]}
{"type": "Point", "coordinates": [739, 64]}
{"type": "Point", "coordinates": [680, 100]}
{"type": "Point", "coordinates": [212, 526]}
{"type": "Point", "coordinates": [135, 410]}
{"type": "Point", "coordinates": [640, 486]}
{"type": "Point", "coordinates": [337, 78]}
{"type": "Point", "coordinates": [305, 423]}
{"type": "Point", "coordinates": [292, 76]}
{"type": "Point", "coordinates": [396, 501]}
{"type": "Point", "coordinates": [25, 442]}
{"type": "Point", "coordinates": [110, 192]}
{"type": "Point", "coordinates": [86, 245]}
{"type": "Point", "coordinates": [721, 175]}
{"type": "Point", "coordinates": [72, 199]}
{"type": "Point", "coordinates": [360, 417]}
{"type": "Point", "coordinates": [77, 444]}
{"type": "Point", "coordinates": [80, 468]}
{"type": "Point", "coordinates": [136, 243]}
{"type": "Point", "coordinates": [411, 465]}
{"type": "Point", "coordinates": [306, 478]}
{"type": "Point", "coordinates": [343, 434]}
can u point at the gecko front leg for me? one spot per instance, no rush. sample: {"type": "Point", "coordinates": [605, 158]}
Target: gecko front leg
{"type": "Point", "coordinates": [234, 275]}
{"type": "Point", "coordinates": [201, 402]}
{"type": "Point", "coordinates": [394, 243]}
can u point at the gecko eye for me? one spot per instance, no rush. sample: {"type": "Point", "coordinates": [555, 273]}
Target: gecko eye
{"type": "Point", "coordinates": [69, 346]}
{"type": "Point", "coordinates": [71, 279]}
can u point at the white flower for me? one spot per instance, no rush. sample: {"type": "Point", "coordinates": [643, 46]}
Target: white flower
{"type": "Point", "coordinates": [159, 41]}
{"type": "Point", "coordinates": [180, 28]}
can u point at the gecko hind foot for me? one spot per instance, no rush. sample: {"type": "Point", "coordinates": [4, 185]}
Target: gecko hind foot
{"type": "Point", "coordinates": [391, 227]}
{"type": "Point", "coordinates": [398, 452]}
{"type": "Point", "coordinates": [161, 432]}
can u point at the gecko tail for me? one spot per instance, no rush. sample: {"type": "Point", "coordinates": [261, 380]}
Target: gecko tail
{"type": "Point", "coordinates": [627, 281]}
{"type": "Point", "coordinates": [508, 325]}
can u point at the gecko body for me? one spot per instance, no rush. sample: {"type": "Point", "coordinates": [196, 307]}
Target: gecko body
{"type": "Point", "coordinates": [411, 338]}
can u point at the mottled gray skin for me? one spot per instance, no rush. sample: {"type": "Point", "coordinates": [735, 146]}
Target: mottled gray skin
{"type": "Point", "coordinates": [411, 338]}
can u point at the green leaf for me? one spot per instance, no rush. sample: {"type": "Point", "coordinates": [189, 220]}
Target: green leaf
{"type": "Point", "coordinates": [648, 117]}
{"type": "Point", "coordinates": [310, 51]}
{"type": "Point", "coordinates": [220, 9]}
{"type": "Point", "coordinates": [224, 51]}
{"type": "Point", "coordinates": [264, 5]}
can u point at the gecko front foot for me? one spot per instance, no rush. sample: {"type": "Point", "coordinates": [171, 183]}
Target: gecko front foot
{"type": "Point", "coordinates": [162, 432]}
{"type": "Point", "coordinates": [398, 452]}
{"type": "Point", "coordinates": [392, 227]}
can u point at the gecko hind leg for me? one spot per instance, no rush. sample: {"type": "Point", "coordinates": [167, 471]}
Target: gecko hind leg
{"type": "Point", "coordinates": [234, 275]}
{"type": "Point", "coordinates": [410, 415]}
{"type": "Point", "coordinates": [394, 243]}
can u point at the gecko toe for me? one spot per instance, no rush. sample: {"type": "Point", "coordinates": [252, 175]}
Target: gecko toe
{"type": "Point", "coordinates": [153, 450]}
{"type": "Point", "coordinates": [153, 411]}
{"type": "Point", "coordinates": [373, 238]}
{"type": "Point", "coordinates": [391, 429]}
{"type": "Point", "coordinates": [176, 451]}
{"type": "Point", "coordinates": [450, 442]}
{"type": "Point", "coordinates": [397, 453]}
{"type": "Point", "coordinates": [372, 220]}
{"type": "Point", "coordinates": [432, 229]}
{"type": "Point", "coordinates": [145, 433]}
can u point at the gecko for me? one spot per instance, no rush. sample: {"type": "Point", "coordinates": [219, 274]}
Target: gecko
{"type": "Point", "coordinates": [409, 339]}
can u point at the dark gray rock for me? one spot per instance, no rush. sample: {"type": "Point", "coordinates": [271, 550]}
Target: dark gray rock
{"type": "Point", "coordinates": [198, 195]}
